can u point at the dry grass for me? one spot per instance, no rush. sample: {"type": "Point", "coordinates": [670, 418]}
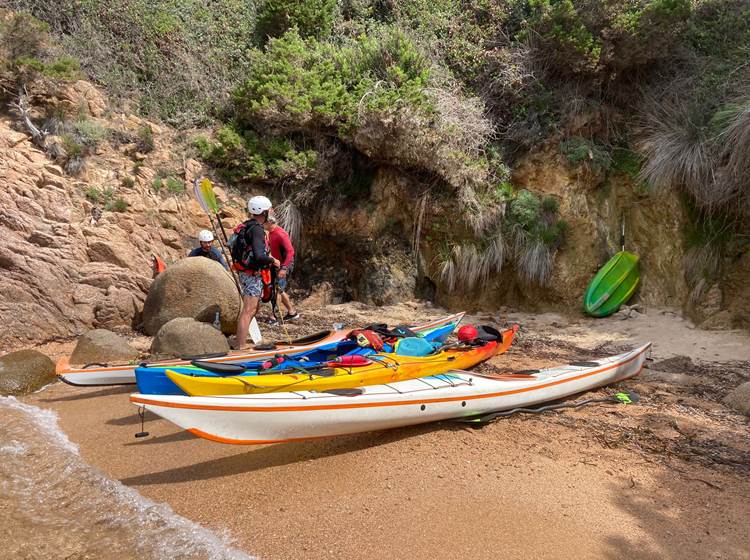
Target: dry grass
{"type": "Point", "coordinates": [468, 265]}
{"type": "Point", "coordinates": [683, 151]}
{"type": "Point", "coordinates": [290, 218]}
{"type": "Point", "coordinates": [534, 259]}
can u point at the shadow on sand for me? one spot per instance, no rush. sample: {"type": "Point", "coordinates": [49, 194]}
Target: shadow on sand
{"type": "Point", "coordinates": [87, 394]}
{"type": "Point", "coordinates": [280, 454]}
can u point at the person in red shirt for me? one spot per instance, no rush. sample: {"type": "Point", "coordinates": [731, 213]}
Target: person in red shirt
{"type": "Point", "coordinates": [282, 249]}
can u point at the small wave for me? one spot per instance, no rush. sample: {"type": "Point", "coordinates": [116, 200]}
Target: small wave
{"type": "Point", "coordinates": [62, 507]}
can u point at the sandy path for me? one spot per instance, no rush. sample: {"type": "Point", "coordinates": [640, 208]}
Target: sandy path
{"type": "Point", "coordinates": [575, 484]}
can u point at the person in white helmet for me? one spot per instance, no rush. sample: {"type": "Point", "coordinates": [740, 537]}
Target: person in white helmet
{"type": "Point", "coordinates": [251, 257]}
{"type": "Point", "coordinates": [206, 248]}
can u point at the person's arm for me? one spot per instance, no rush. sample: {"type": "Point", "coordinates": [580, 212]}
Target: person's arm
{"type": "Point", "coordinates": [219, 257]}
{"type": "Point", "coordinates": [287, 250]}
{"type": "Point", "coordinates": [258, 243]}
{"type": "Point", "coordinates": [195, 252]}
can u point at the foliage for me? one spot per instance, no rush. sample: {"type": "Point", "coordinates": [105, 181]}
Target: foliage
{"type": "Point", "coordinates": [312, 18]}
{"type": "Point", "coordinates": [24, 50]}
{"type": "Point", "coordinates": [92, 194]}
{"type": "Point", "coordinates": [174, 186]}
{"type": "Point", "coordinates": [118, 204]}
{"type": "Point", "coordinates": [605, 41]}
{"type": "Point", "coordinates": [145, 142]}
{"type": "Point", "coordinates": [579, 150]}
{"type": "Point", "coordinates": [128, 182]}
{"type": "Point", "coordinates": [537, 233]}
{"type": "Point", "coordinates": [180, 58]}
{"type": "Point", "coordinates": [704, 155]}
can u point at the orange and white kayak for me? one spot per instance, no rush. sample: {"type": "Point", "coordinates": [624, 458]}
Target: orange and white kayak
{"type": "Point", "coordinates": [123, 374]}
{"type": "Point", "coordinates": [292, 416]}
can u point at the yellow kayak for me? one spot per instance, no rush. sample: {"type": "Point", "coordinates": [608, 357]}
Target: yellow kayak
{"type": "Point", "coordinates": [384, 368]}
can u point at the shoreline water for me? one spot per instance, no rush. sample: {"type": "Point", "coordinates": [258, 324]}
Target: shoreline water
{"type": "Point", "coordinates": [597, 482]}
{"type": "Point", "coordinates": [63, 508]}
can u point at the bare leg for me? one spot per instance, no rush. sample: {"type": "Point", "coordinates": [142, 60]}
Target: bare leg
{"type": "Point", "coordinates": [249, 308]}
{"type": "Point", "coordinates": [287, 302]}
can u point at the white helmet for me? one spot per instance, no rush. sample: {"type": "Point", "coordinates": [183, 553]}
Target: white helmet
{"type": "Point", "coordinates": [205, 235]}
{"type": "Point", "coordinates": [258, 204]}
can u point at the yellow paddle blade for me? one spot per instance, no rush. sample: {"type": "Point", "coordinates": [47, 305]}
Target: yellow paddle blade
{"type": "Point", "coordinates": [204, 193]}
{"type": "Point", "coordinates": [207, 190]}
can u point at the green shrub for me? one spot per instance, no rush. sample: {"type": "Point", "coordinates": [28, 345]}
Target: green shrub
{"type": "Point", "coordinates": [145, 142]}
{"type": "Point", "coordinates": [89, 133]}
{"type": "Point", "coordinates": [117, 205]}
{"type": "Point", "coordinates": [72, 145]}
{"type": "Point", "coordinates": [578, 150]}
{"type": "Point", "coordinates": [178, 60]}
{"type": "Point", "coordinates": [311, 18]}
{"type": "Point", "coordinates": [65, 67]}
{"type": "Point", "coordinates": [22, 37]}
{"type": "Point", "coordinates": [128, 182]}
{"type": "Point", "coordinates": [157, 184]}
{"type": "Point", "coordinates": [93, 194]}
{"type": "Point", "coordinates": [175, 186]}
{"type": "Point", "coordinates": [537, 233]}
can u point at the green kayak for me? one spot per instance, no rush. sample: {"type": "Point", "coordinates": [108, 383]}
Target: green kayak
{"type": "Point", "coordinates": [613, 285]}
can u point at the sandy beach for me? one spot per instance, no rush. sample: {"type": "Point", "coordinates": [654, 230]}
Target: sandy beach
{"type": "Point", "coordinates": [664, 478]}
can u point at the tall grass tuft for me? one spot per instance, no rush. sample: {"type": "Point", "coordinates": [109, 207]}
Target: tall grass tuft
{"type": "Point", "coordinates": [290, 218]}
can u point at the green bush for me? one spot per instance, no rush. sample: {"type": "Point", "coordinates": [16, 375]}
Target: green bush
{"type": "Point", "coordinates": [89, 133]}
{"type": "Point", "coordinates": [118, 205]}
{"type": "Point", "coordinates": [72, 145]}
{"type": "Point", "coordinates": [312, 18]}
{"type": "Point", "coordinates": [579, 150]}
{"type": "Point", "coordinates": [128, 182]}
{"type": "Point", "coordinates": [178, 60]}
{"type": "Point", "coordinates": [606, 41]}
{"type": "Point", "coordinates": [175, 186]}
{"type": "Point", "coordinates": [93, 194]}
{"type": "Point", "coordinates": [145, 142]}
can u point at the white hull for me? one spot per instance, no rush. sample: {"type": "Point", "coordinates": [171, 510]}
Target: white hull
{"type": "Point", "coordinates": [271, 418]}
{"type": "Point", "coordinates": [125, 374]}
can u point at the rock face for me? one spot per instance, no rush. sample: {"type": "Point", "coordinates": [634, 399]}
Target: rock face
{"type": "Point", "coordinates": [70, 259]}
{"type": "Point", "coordinates": [102, 346]}
{"type": "Point", "coordinates": [25, 371]}
{"type": "Point", "coordinates": [197, 288]}
{"type": "Point", "coordinates": [739, 399]}
{"type": "Point", "coordinates": [184, 337]}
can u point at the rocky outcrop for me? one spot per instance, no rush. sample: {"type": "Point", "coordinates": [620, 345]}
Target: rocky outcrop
{"type": "Point", "coordinates": [76, 251]}
{"type": "Point", "coordinates": [185, 337]}
{"type": "Point", "coordinates": [197, 288]}
{"type": "Point", "coordinates": [25, 371]}
{"type": "Point", "coordinates": [739, 399]}
{"type": "Point", "coordinates": [103, 347]}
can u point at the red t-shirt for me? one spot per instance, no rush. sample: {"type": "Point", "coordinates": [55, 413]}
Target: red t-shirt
{"type": "Point", "coordinates": [281, 246]}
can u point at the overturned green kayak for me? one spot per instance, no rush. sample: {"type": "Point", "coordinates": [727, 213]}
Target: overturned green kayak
{"type": "Point", "coordinates": [613, 285]}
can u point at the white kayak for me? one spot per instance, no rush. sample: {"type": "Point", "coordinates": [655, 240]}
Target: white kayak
{"type": "Point", "coordinates": [123, 374]}
{"type": "Point", "coordinates": [279, 417]}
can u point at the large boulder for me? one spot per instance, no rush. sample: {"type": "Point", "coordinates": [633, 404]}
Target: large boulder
{"type": "Point", "coordinates": [25, 371]}
{"type": "Point", "coordinates": [739, 399]}
{"type": "Point", "coordinates": [184, 337]}
{"type": "Point", "coordinates": [196, 288]}
{"type": "Point", "coordinates": [103, 347]}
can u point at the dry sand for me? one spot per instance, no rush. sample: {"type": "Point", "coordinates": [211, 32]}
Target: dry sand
{"type": "Point", "coordinates": [666, 478]}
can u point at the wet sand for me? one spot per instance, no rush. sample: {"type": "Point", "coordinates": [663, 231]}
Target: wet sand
{"type": "Point", "coordinates": [667, 478]}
